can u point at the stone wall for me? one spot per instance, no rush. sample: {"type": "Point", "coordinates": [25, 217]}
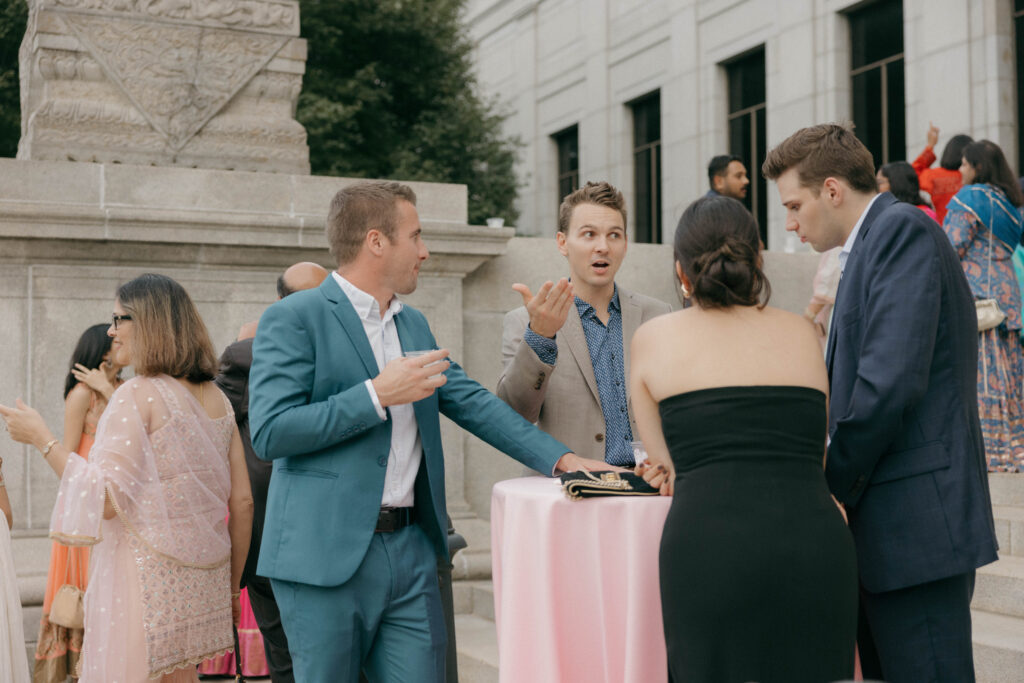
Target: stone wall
{"type": "Point", "coordinates": [71, 232]}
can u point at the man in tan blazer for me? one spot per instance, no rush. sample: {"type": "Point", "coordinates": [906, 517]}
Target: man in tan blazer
{"type": "Point", "coordinates": [566, 350]}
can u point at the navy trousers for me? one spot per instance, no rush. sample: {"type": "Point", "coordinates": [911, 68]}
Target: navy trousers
{"type": "Point", "coordinates": [386, 620]}
{"type": "Point", "coordinates": [919, 634]}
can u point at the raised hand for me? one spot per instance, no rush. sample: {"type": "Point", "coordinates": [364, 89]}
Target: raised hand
{"type": "Point", "coordinates": [94, 378]}
{"type": "Point", "coordinates": [26, 425]}
{"type": "Point", "coordinates": [933, 134]}
{"type": "Point", "coordinates": [407, 380]}
{"type": "Point", "coordinates": [549, 308]}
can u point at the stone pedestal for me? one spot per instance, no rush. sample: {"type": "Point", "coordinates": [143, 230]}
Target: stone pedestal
{"type": "Point", "coordinates": [193, 83]}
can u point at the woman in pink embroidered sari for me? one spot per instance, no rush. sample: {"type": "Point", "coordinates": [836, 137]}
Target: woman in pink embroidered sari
{"type": "Point", "coordinates": [165, 569]}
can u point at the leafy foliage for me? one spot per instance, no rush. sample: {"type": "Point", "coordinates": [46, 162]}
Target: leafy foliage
{"type": "Point", "coordinates": [389, 92]}
{"type": "Point", "coordinates": [13, 16]}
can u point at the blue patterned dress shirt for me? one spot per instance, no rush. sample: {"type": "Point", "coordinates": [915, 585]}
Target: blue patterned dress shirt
{"type": "Point", "coordinates": [605, 345]}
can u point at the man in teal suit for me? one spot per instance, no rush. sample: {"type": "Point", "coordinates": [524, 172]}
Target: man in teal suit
{"type": "Point", "coordinates": [356, 511]}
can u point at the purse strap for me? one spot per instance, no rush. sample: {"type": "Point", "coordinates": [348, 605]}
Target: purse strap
{"type": "Point", "coordinates": [991, 234]}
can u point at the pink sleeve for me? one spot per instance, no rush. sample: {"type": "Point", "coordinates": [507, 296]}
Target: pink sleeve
{"type": "Point", "coordinates": [78, 512]}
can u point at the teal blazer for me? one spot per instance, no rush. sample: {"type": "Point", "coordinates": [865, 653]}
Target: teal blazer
{"type": "Point", "coordinates": [311, 414]}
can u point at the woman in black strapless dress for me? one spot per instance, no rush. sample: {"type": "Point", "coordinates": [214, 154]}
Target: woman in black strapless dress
{"type": "Point", "coordinates": [757, 567]}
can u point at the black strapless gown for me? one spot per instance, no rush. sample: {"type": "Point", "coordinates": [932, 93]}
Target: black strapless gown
{"type": "Point", "coordinates": [758, 573]}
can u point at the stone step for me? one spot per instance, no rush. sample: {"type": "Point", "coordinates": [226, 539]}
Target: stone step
{"type": "Point", "coordinates": [477, 646]}
{"type": "Point", "coordinates": [1009, 521]}
{"type": "Point", "coordinates": [999, 587]}
{"type": "Point", "coordinates": [474, 597]}
{"type": "Point", "coordinates": [998, 647]}
{"type": "Point", "coordinates": [1006, 488]}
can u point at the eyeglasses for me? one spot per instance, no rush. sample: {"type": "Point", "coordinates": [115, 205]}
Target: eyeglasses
{"type": "Point", "coordinates": [119, 319]}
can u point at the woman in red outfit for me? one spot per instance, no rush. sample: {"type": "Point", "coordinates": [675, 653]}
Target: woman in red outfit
{"type": "Point", "coordinates": [943, 182]}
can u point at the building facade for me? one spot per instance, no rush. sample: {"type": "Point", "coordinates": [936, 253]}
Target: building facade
{"type": "Point", "coordinates": [643, 93]}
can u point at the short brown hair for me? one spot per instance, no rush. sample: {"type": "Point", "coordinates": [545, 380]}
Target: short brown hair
{"type": "Point", "coordinates": [170, 337]}
{"type": "Point", "coordinates": [823, 151]}
{"type": "Point", "coordinates": [360, 208]}
{"type": "Point", "coordinates": [602, 194]}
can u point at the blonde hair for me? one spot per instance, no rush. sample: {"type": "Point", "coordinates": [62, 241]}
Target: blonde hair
{"type": "Point", "coordinates": [169, 336]}
{"type": "Point", "coordinates": [360, 208]}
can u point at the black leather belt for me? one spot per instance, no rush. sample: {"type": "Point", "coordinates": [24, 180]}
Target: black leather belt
{"type": "Point", "coordinates": [393, 519]}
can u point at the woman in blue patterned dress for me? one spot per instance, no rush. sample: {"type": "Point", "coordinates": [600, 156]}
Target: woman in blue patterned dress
{"type": "Point", "coordinates": [983, 221]}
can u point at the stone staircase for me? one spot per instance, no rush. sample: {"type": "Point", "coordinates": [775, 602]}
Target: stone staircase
{"type": "Point", "coordinates": [998, 606]}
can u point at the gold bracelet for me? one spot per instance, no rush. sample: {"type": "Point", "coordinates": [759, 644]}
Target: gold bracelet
{"type": "Point", "coordinates": [48, 447]}
{"type": "Point", "coordinates": [236, 595]}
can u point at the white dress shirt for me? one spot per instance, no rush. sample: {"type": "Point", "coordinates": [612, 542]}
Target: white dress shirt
{"type": "Point", "coordinates": [406, 448]}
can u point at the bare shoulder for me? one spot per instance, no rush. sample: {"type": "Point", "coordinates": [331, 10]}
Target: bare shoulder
{"type": "Point", "coordinates": [660, 327]}
{"type": "Point", "coordinates": [79, 397]}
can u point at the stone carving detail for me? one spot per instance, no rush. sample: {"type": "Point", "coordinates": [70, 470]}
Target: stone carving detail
{"type": "Point", "coordinates": [280, 16]}
{"type": "Point", "coordinates": [155, 82]}
{"type": "Point", "coordinates": [177, 76]}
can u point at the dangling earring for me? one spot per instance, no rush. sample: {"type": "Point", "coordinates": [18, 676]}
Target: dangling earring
{"type": "Point", "coordinates": [686, 290]}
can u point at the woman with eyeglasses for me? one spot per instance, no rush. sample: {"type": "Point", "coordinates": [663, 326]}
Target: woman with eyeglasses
{"type": "Point", "coordinates": [164, 580]}
{"type": "Point", "coordinates": [92, 377]}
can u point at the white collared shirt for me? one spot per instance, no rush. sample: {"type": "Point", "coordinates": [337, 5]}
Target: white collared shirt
{"type": "Point", "coordinates": [406, 448]}
{"type": "Point", "coordinates": [848, 245]}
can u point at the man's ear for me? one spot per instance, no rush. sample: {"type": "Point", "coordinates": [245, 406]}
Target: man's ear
{"type": "Point", "coordinates": [718, 183]}
{"type": "Point", "coordinates": [563, 248]}
{"type": "Point", "coordinates": [833, 191]}
{"type": "Point", "coordinates": [374, 241]}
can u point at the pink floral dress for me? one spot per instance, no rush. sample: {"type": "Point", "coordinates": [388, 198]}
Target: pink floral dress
{"type": "Point", "coordinates": [159, 595]}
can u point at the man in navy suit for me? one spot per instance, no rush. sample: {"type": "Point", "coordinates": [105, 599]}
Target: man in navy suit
{"type": "Point", "coordinates": [905, 456]}
{"type": "Point", "coordinates": [356, 514]}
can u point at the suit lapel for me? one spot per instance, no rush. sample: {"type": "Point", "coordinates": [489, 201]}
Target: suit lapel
{"type": "Point", "coordinates": [883, 202]}
{"type": "Point", "coordinates": [572, 330]}
{"type": "Point", "coordinates": [350, 323]}
{"type": "Point", "coordinates": [632, 315]}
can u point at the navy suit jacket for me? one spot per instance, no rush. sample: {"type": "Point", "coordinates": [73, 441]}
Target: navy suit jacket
{"type": "Point", "coordinates": [311, 414]}
{"type": "Point", "coordinates": [906, 455]}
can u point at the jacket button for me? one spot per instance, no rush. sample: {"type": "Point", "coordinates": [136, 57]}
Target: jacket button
{"type": "Point", "coordinates": [382, 461]}
{"type": "Point", "coordinates": [599, 437]}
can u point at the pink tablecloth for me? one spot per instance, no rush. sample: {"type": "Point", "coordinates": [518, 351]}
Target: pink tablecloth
{"type": "Point", "coordinates": [576, 585]}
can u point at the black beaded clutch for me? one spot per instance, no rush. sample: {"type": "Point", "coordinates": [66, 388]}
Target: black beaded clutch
{"type": "Point", "coordinates": [583, 484]}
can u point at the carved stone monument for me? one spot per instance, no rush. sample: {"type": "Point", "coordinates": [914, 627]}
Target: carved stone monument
{"type": "Point", "coordinates": [194, 83]}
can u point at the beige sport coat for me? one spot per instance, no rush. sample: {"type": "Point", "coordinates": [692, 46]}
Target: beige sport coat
{"type": "Point", "coordinates": [562, 399]}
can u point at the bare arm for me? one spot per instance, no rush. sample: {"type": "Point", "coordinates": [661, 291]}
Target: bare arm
{"type": "Point", "coordinates": [240, 507]}
{"type": "Point", "coordinates": [76, 405]}
{"type": "Point", "coordinates": [659, 472]}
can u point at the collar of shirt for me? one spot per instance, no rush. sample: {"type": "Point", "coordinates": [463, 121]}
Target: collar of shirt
{"type": "Point", "coordinates": [852, 239]}
{"type": "Point", "coordinates": [366, 305]}
{"type": "Point", "coordinates": [583, 307]}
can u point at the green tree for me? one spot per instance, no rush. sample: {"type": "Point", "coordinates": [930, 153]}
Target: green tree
{"type": "Point", "coordinates": [389, 92]}
{"type": "Point", "coordinates": [13, 16]}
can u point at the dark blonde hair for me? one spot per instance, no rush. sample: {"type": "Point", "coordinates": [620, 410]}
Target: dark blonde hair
{"type": "Point", "coordinates": [823, 151]}
{"type": "Point", "coordinates": [601, 194]}
{"type": "Point", "coordinates": [718, 246]}
{"type": "Point", "coordinates": [360, 208]}
{"type": "Point", "coordinates": [169, 337]}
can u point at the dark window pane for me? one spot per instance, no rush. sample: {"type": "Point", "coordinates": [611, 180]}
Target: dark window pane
{"type": "Point", "coordinates": [642, 184]}
{"type": "Point", "coordinates": [746, 81]}
{"type": "Point", "coordinates": [867, 111]}
{"type": "Point", "coordinates": [647, 120]}
{"type": "Point", "coordinates": [568, 144]}
{"type": "Point", "coordinates": [876, 32]}
{"type": "Point", "coordinates": [647, 167]}
{"type": "Point", "coordinates": [758, 184]}
{"type": "Point", "coordinates": [896, 149]}
{"type": "Point", "coordinates": [1018, 6]}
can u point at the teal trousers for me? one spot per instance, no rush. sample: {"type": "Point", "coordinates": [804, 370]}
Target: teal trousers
{"type": "Point", "coordinates": [386, 620]}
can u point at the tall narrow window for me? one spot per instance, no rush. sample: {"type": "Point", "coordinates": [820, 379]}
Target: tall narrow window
{"type": "Point", "coordinates": [1018, 25]}
{"type": "Point", "coordinates": [568, 144]}
{"type": "Point", "coordinates": [647, 167]}
{"type": "Point", "coordinates": [747, 129]}
{"type": "Point", "coordinates": [876, 43]}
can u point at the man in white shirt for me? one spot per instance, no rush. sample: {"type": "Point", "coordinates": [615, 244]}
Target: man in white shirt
{"type": "Point", "coordinates": [356, 510]}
